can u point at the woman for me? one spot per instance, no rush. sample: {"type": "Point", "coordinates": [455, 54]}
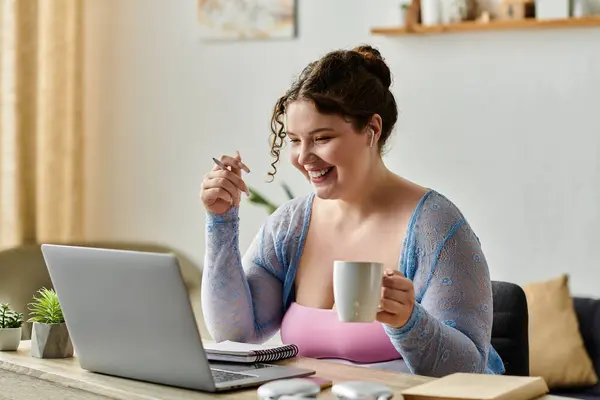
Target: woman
{"type": "Point", "coordinates": [436, 301]}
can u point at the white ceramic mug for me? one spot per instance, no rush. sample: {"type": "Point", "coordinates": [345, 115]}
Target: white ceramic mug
{"type": "Point", "coordinates": [357, 290]}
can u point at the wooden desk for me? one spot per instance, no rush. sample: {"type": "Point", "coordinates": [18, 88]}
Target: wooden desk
{"type": "Point", "coordinates": [26, 377]}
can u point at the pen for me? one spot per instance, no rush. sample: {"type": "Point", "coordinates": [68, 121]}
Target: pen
{"type": "Point", "coordinates": [219, 163]}
{"type": "Point", "coordinates": [223, 166]}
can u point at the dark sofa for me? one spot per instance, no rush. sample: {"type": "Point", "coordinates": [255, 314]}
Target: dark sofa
{"type": "Point", "coordinates": [588, 315]}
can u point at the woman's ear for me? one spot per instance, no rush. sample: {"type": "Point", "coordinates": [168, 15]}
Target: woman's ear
{"type": "Point", "coordinates": [374, 130]}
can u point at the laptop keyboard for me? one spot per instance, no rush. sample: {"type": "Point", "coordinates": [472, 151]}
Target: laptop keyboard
{"type": "Point", "coordinates": [225, 376]}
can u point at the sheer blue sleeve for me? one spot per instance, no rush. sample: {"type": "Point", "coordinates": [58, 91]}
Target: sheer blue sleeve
{"type": "Point", "coordinates": [241, 297]}
{"type": "Point", "coordinates": [450, 327]}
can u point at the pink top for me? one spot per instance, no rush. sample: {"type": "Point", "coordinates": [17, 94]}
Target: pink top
{"type": "Point", "coordinates": [319, 334]}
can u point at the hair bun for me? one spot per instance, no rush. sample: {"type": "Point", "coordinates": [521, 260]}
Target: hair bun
{"type": "Point", "coordinates": [375, 64]}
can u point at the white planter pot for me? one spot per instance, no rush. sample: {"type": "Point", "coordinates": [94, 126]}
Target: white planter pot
{"type": "Point", "coordinates": [552, 9]}
{"type": "Point", "coordinates": [10, 338]}
{"type": "Point", "coordinates": [431, 13]}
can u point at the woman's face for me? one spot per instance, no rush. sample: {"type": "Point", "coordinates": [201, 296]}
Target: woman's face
{"type": "Point", "coordinates": [328, 151]}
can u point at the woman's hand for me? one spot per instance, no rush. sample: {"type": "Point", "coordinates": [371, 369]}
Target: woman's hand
{"type": "Point", "coordinates": [221, 188]}
{"type": "Point", "coordinates": [397, 299]}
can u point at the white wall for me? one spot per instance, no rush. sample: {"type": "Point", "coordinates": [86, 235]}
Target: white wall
{"type": "Point", "coordinates": [506, 124]}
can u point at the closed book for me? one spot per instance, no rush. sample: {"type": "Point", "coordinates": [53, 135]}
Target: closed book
{"type": "Point", "coordinates": [248, 353]}
{"type": "Point", "coordinates": [466, 386]}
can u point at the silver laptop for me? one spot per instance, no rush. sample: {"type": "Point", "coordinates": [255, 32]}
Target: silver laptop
{"type": "Point", "coordinates": [129, 315]}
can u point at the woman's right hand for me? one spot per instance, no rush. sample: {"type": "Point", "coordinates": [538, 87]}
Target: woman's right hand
{"type": "Point", "coordinates": [221, 188]}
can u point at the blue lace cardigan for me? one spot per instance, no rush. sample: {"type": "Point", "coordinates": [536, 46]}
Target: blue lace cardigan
{"type": "Point", "coordinates": [245, 298]}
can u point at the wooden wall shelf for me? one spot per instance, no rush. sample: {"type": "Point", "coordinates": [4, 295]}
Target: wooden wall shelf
{"type": "Point", "coordinates": [474, 26]}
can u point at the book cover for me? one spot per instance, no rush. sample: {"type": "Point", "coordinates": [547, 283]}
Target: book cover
{"type": "Point", "coordinates": [468, 386]}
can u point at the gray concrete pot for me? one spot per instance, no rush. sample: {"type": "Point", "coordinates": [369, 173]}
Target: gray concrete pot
{"type": "Point", "coordinates": [10, 338]}
{"type": "Point", "coordinates": [50, 341]}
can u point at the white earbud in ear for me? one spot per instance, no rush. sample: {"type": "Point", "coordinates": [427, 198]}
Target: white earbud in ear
{"type": "Point", "coordinates": [372, 133]}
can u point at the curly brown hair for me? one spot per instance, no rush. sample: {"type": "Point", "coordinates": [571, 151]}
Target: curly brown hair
{"type": "Point", "coordinates": [351, 83]}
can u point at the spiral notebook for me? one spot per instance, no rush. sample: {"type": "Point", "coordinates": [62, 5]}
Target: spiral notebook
{"type": "Point", "coordinates": [248, 353]}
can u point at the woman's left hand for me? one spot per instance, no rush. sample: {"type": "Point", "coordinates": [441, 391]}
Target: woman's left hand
{"type": "Point", "coordinates": [397, 299]}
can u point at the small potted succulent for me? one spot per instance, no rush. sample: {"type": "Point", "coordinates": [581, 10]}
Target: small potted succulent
{"type": "Point", "coordinates": [49, 335]}
{"type": "Point", "coordinates": [10, 328]}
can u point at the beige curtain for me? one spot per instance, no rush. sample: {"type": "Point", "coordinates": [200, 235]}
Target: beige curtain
{"type": "Point", "coordinates": [41, 127]}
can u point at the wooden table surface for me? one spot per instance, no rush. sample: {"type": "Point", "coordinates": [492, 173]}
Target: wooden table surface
{"type": "Point", "coordinates": [26, 377]}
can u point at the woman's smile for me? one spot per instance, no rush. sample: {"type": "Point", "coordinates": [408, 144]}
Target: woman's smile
{"type": "Point", "coordinates": [320, 176]}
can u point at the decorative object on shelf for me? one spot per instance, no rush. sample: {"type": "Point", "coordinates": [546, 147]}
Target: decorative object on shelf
{"type": "Point", "coordinates": [473, 10]}
{"type": "Point", "coordinates": [516, 9]}
{"type": "Point", "coordinates": [491, 25]}
{"type": "Point", "coordinates": [11, 323]}
{"type": "Point", "coordinates": [552, 9]}
{"type": "Point", "coordinates": [578, 8]}
{"type": "Point", "coordinates": [583, 8]}
{"type": "Point", "coordinates": [404, 7]}
{"type": "Point", "coordinates": [484, 18]}
{"type": "Point", "coordinates": [261, 200]}
{"type": "Point", "coordinates": [413, 15]}
{"type": "Point", "coordinates": [49, 337]}
{"type": "Point", "coordinates": [431, 12]}
{"type": "Point", "coordinates": [454, 11]}
{"type": "Point", "coordinates": [247, 19]}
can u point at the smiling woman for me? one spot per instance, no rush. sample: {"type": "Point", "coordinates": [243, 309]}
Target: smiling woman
{"type": "Point", "coordinates": [345, 91]}
{"type": "Point", "coordinates": [435, 309]}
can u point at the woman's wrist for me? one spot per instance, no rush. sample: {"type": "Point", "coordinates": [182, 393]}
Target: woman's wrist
{"type": "Point", "coordinates": [229, 216]}
{"type": "Point", "coordinates": [399, 332]}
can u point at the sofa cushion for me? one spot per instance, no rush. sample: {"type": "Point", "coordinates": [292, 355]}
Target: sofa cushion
{"type": "Point", "coordinates": [510, 327]}
{"type": "Point", "coordinates": [557, 352]}
{"type": "Point", "coordinates": [588, 316]}
{"type": "Point", "coordinates": [590, 393]}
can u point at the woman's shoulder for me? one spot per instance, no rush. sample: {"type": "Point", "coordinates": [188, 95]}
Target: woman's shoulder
{"type": "Point", "coordinates": [291, 214]}
{"type": "Point", "coordinates": [438, 213]}
{"type": "Point", "coordinates": [437, 222]}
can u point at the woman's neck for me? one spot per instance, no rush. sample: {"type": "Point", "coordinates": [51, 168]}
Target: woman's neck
{"type": "Point", "coordinates": [370, 197]}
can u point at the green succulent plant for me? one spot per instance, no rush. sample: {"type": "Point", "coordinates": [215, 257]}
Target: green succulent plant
{"type": "Point", "coordinates": [259, 199]}
{"type": "Point", "coordinates": [46, 308]}
{"type": "Point", "coordinates": [10, 318]}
